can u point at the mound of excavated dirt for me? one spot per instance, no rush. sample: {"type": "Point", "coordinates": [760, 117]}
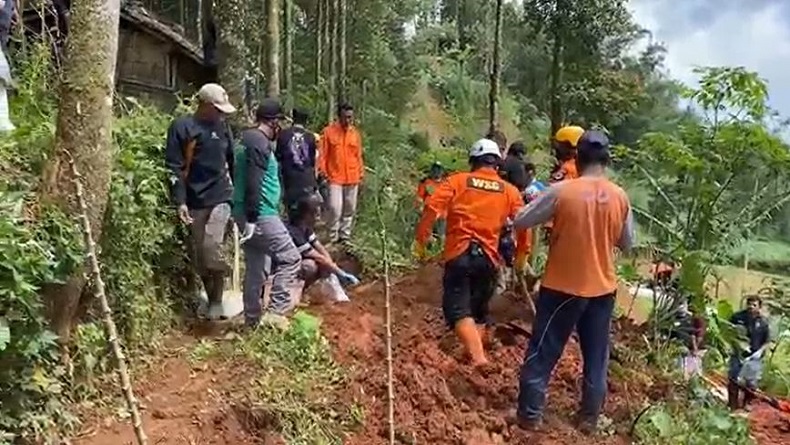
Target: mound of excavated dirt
{"type": "Point", "coordinates": [438, 398]}
{"type": "Point", "coordinates": [769, 426]}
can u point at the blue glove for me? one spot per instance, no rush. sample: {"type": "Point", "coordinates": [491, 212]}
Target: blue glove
{"type": "Point", "coordinates": [347, 279]}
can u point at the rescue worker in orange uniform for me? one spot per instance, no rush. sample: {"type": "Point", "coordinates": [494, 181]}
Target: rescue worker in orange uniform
{"type": "Point", "coordinates": [478, 204]}
{"type": "Point", "coordinates": [592, 216]}
{"type": "Point", "coordinates": [340, 162]}
{"type": "Point", "coordinates": [564, 146]}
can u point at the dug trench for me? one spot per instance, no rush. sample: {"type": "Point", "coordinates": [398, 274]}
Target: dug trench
{"type": "Point", "coordinates": [438, 398]}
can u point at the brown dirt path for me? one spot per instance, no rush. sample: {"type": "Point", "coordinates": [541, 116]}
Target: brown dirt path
{"type": "Point", "coordinates": [181, 405]}
{"type": "Point", "coordinates": [439, 400]}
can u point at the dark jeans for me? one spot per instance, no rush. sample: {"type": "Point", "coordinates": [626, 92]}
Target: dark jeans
{"type": "Point", "coordinates": [557, 315]}
{"type": "Point", "coordinates": [468, 284]}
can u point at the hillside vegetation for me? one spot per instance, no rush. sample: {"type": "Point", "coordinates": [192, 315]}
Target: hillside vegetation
{"type": "Point", "coordinates": [710, 188]}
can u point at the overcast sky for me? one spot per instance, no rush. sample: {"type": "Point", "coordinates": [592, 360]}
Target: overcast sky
{"type": "Point", "coordinates": [750, 33]}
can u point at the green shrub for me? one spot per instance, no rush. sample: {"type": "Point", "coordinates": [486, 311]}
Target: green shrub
{"type": "Point", "coordinates": [142, 255]}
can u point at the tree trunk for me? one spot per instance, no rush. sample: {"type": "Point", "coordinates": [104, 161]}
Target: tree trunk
{"type": "Point", "coordinates": [555, 105]}
{"type": "Point", "coordinates": [343, 86]}
{"type": "Point", "coordinates": [325, 34]}
{"type": "Point", "coordinates": [460, 24]}
{"type": "Point", "coordinates": [496, 72]}
{"type": "Point", "coordinates": [232, 65]}
{"type": "Point", "coordinates": [319, 41]}
{"type": "Point", "coordinates": [333, 44]}
{"type": "Point", "coordinates": [84, 135]}
{"type": "Point", "coordinates": [289, 48]}
{"type": "Point", "coordinates": [273, 48]}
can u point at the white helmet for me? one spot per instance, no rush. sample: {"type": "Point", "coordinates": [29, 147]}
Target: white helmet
{"type": "Point", "coordinates": [484, 147]}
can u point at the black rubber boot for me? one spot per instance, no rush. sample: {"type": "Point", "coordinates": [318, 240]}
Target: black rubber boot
{"type": "Point", "coordinates": [748, 397]}
{"type": "Point", "coordinates": [586, 424]}
{"type": "Point", "coordinates": [215, 285]}
{"type": "Point", "coordinates": [733, 395]}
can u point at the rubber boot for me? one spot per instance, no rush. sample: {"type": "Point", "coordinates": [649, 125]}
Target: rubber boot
{"type": "Point", "coordinates": [467, 333]}
{"type": "Point", "coordinates": [586, 424]}
{"type": "Point", "coordinates": [733, 395]}
{"type": "Point", "coordinates": [214, 290]}
{"type": "Point", "coordinates": [485, 339]}
{"type": "Point", "coordinates": [748, 397]}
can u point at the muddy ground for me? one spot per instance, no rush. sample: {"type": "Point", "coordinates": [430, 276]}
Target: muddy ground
{"type": "Point", "coordinates": [438, 400]}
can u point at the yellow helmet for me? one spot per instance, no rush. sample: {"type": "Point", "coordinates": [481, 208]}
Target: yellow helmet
{"type": "Point", "coordinates": [570, 134]}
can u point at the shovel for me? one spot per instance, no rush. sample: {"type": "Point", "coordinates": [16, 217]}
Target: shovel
{"type": "Point", "coordinates": [232, 300]}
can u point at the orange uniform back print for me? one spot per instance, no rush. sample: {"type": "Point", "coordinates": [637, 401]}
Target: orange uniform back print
{"type": "Point", "coordinates": [477, 205]}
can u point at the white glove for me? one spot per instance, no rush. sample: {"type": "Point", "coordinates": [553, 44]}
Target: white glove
{"type": "Point", "coordinates": [247, 233]}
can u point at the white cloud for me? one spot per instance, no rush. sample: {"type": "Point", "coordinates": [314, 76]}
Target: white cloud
{"type": "Point", "coordinates": [703, 33]}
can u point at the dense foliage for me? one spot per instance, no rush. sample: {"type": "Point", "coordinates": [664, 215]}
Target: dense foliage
{"type": "Point", "coordinates": [705, 181]}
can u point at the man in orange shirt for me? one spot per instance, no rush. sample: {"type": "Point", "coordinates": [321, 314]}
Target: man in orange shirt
{"type": "Point", "coordinates": [340, 162]}
{"type": "Point", "coordinates": [477, 204]}
{"type": "Point", "coordinates": [564, 145]}
{"type": "Point", "coordinates": [591, 217]}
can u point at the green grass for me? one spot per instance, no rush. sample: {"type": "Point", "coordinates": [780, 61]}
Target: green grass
{"type": "Point", "coordinates": [764, 250]}
{"type": "Point", "coordinates": [296, 382]}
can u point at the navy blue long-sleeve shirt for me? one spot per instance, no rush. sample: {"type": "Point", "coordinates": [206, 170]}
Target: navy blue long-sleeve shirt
{"type": "Point", "coordinates": [209, 175]}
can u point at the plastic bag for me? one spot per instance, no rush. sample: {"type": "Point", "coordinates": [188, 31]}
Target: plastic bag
{"type": "Point", "coordinates": [331, 287]}
{"type": "Point", "coordinates": [692, 365]}
{"type": "Point", "coordinates": [751, 370]}
{"type": "Point", "coordinates": [5, 82]}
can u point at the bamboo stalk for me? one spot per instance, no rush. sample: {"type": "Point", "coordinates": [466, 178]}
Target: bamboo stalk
{"type": "Point", "coordinates": [388, 323]}
{"type": "Point", "coordinates": [109, 324]}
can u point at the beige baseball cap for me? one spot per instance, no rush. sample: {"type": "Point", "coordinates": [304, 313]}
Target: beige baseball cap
{"type": "Point", "coordinates": [214, 94]}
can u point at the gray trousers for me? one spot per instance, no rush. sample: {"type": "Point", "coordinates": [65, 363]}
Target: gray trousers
{"type": "Point", "coordinates": [208, 236]}
{"type": "Point", "coordinates": [342, 208]}
{"type": "Point", "coordinates": [271, 245]}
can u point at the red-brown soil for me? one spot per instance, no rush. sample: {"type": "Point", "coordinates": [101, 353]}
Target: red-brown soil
{"type": "Point", "coordinates": [438, 398]}
{"type": "Point", "coordinates": [181, 405]}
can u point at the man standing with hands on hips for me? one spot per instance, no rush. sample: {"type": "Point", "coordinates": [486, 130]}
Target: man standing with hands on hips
{"type": "Point", "coordinates": [199, 156]}
{"type": "Point", "coordinates": [340, 162]}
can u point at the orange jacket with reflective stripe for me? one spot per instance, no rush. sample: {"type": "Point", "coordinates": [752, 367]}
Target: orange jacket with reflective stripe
{"type": "Point", "coordinates": [340, 155]}
{"type": "Point", "coordinates": [477, 205]}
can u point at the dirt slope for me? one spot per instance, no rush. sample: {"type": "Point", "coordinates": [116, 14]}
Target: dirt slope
{"type": "Point", "coordinates": [182, 405]}
{"type": "Point", "coordinates": [438, 399]}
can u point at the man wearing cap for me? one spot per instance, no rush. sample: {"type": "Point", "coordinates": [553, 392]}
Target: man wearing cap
{"type": "Point", "coordinates": [591, 217]}
{"type": "Point", "coordinates": [264, 235]}
{"type": "Point", "coordinates": [296, 153]}
{"type": "Point", "coordinates": [477, 205]}
{"type": "Point", "coordinates": [199, 156]}
{"type": "Point", "coordinates": [342, 165]}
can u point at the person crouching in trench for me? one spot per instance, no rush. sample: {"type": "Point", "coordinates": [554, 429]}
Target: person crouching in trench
{"type": "Point", "coordinates": [317, 263]}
